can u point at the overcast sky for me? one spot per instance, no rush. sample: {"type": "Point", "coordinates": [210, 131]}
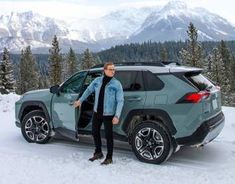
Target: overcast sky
{"type": "Point", "coordinates": [63, 9]}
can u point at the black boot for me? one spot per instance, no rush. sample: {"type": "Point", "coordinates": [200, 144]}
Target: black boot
{"type": "Point", "coordinates": [107, 161]}
{"type": "Point", "coordinates": [96, 156]}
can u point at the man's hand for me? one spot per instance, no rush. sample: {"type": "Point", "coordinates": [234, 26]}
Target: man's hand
{"type": "Point", "coordinates": [77, 104]}
{"type": "Point", "coordinates": [115, 120]}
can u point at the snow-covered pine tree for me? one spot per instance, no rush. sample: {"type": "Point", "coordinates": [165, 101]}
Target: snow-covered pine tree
{"type": "Point", "coordinates": [233, 80]}
{"type": "Point", "coordinates": [233, 74]}
{"type": "Point", "coordinates": [227, 60]}
{"type": "Point", "coordinates": [192, 55]}
{"type": "Point", "coordinates": [72, 63]}
{"type": "Point", "coordinates": [55, 63]}
{"type": "Point", "coordinates": [163, 54]}
{"type": "Point", "coordinates": [207, 68]}
{"type": "Point", "coordinates": [43, 81]}
{"type": "Point", "coordinates": [87, 60]}
{"type": "Point", "coordinates": [97, 60]}
{"type": "Point", "coordinates": [43, 78]}
{"type": "Point", "coordinates": [218, 75]}
{"type": "Point", "coordinates": [7, 81]}
{"type": "Point", "coordinates": [2, 89]}
{"type": "Point", "coordinates": [225, 54]}
{"type": "Point", "coordinates": [28, 74]}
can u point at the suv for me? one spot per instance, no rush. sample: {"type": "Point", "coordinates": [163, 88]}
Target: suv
{"type": "Point", "coordinates": [165, 107]}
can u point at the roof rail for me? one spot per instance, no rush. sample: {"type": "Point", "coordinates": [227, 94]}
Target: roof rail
{"type": "Point", "coordinates": [134, 64]}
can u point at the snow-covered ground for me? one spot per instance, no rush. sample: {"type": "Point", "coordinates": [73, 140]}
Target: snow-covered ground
{"type": "Point", "coordinates": [65, 162]}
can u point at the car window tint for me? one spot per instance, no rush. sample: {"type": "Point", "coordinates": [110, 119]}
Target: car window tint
{"type": "Point", "coordinates": [152, 82]}
{"type": "Point", "coordinates": [91, 76]}
{"type": "Point", "coordinates": [130, 80]}
{"type": "Point", "coordinates": [74, 84]}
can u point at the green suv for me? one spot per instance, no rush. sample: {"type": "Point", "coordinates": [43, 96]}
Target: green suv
{"type": "Point", "coordinates": [166, 106]}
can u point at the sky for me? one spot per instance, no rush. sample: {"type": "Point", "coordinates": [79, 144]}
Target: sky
{"type": "Point", "coordinates": [65, 9]}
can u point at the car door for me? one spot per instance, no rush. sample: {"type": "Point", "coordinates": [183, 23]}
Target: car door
{"type": "Point", "coordinates": [134, 93]}
{"type": "Point", "coordinates": [63, 113]}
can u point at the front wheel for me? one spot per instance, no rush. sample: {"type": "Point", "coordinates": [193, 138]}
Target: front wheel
{"type": "Point", "coordinates": [151, 142]}
{"type": "Point", "coordinates": [35, 128]}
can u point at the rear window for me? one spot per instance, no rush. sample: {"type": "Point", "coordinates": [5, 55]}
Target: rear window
{"type": "Point", "coordinates": [201, 82]}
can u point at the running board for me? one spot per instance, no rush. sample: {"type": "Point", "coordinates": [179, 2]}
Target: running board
{"type": "Point", "coordinates": [67, 133]}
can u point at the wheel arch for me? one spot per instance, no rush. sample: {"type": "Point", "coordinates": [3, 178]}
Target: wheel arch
{"type": "Point", "coordinates": [149, 114]}
{"type": "Point", "coordinates": [31, 106]}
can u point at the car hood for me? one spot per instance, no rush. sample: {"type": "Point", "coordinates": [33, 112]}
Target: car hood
{"type": "Point", "coordinates": [37, 91]}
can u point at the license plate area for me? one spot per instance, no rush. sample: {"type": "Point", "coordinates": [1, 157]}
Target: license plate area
{"type": "Point", "coordinates": [214, 104]}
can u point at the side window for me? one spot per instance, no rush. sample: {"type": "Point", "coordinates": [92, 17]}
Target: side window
{"type": "Point", "coordinates": [130, 80]}
{"type": "Point", "coordinates": [152, 82]}
{"type": "Point", "coordinates": [74, 83]}
{"type": "Point", "coordinates": [90, 77]}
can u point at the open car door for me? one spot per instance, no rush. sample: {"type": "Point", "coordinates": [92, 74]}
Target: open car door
{"type": "Point", "coordinates": [64, 115]}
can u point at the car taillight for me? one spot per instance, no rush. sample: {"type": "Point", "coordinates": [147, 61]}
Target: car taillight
{"type": "Point", "coordinates": [194, 97]}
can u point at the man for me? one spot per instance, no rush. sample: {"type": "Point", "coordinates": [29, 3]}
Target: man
{"type": "Point", "coordinates": [107, 109]}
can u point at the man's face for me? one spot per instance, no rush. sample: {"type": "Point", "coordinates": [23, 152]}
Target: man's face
{"type": "Point", "coordinates": [109, 71]}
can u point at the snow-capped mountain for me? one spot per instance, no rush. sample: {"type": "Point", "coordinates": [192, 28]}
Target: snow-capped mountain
{"type": "Point", "coordinates": [170, 22]}
{"type": "Point", "coordinates": [18, 30]}
{"type": "Point", "coordinates": [117, 25]}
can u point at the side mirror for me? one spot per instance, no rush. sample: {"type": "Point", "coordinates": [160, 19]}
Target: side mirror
{"type": "Point", "coordinates": [55, 89]}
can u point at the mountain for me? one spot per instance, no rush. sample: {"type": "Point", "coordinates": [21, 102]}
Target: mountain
{"type": "Point", "coordinates": [118, 25]}
{"type": "Point", "coordinates": [170, 22]}
{"type": "Point", "coordinates": [19, 30]}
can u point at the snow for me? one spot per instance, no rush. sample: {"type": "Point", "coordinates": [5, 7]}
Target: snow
{"type": "Point", "coordinates": [63, 161]}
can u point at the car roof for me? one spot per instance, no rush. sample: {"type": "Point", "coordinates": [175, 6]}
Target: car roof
{"type": "Point", "coordinates": [154, 69]}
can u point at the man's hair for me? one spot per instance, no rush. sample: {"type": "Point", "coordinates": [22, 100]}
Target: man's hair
{"type": "Point", "coordinates": [107, 64]}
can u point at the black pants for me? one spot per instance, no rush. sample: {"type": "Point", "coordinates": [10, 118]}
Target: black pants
{"type": "Point", "coordinates": [108, 127]}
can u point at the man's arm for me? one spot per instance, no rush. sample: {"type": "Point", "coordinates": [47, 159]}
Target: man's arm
{"type": "Point", "coordinates": [90, 89]}
{"type": "Point", "coordinates": [120, 101]}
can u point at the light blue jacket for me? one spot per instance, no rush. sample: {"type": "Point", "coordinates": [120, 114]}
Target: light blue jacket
{"type": "Point", "coordinates": [113, 96]}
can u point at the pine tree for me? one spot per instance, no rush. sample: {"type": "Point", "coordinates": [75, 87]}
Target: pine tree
{"type": "Point", "coordinates": [7, 81]}
{"type": "Point", "coordinates": [2, 88]}
{"type": "Point", "coordinates": [43, 82]}
{"type": "Point", "coordinates": [233, 74]}
{"type": "Point", "coordinates": [192, 55]}
{"type": "Point", "coordinates": [71, 61]}
{"type": "Point", "coordinates": [55, 63]}
{"type": "Point", "coordinates": [218, 76]}
{"type": "Point", "coordinates": [207, 68]}
{"type": "Point", "coordinates": [87, 60]}
{"type": "Point", "coordinates": [227, 60]}
{"type": "Point", "coordinates": [163, 54]}
{"type": "Point", "coordinates": [225, 53]}
{"type": "Point", "coordinates": [28, 74]}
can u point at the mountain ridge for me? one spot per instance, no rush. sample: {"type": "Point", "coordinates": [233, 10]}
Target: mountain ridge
{"type": "Point", "coordinates": [167, 23]}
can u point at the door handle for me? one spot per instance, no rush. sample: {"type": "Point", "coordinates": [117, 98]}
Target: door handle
{"type": "Point", "coordinates": [134, 99]}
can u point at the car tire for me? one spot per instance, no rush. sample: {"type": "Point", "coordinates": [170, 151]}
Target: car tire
{"type": "Point", "coordinates": [35, 127]}
{"type": "Point", "coordinates": [151, 142]}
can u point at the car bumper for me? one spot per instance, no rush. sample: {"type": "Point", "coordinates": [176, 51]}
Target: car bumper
{"type": "Point", "coordinates": [208, 131]}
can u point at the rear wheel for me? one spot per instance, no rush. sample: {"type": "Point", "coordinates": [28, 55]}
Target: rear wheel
{"type": "Point", "coordinates": [35, 128]}
{"type": "Point", "coordinates": [151, 142]}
